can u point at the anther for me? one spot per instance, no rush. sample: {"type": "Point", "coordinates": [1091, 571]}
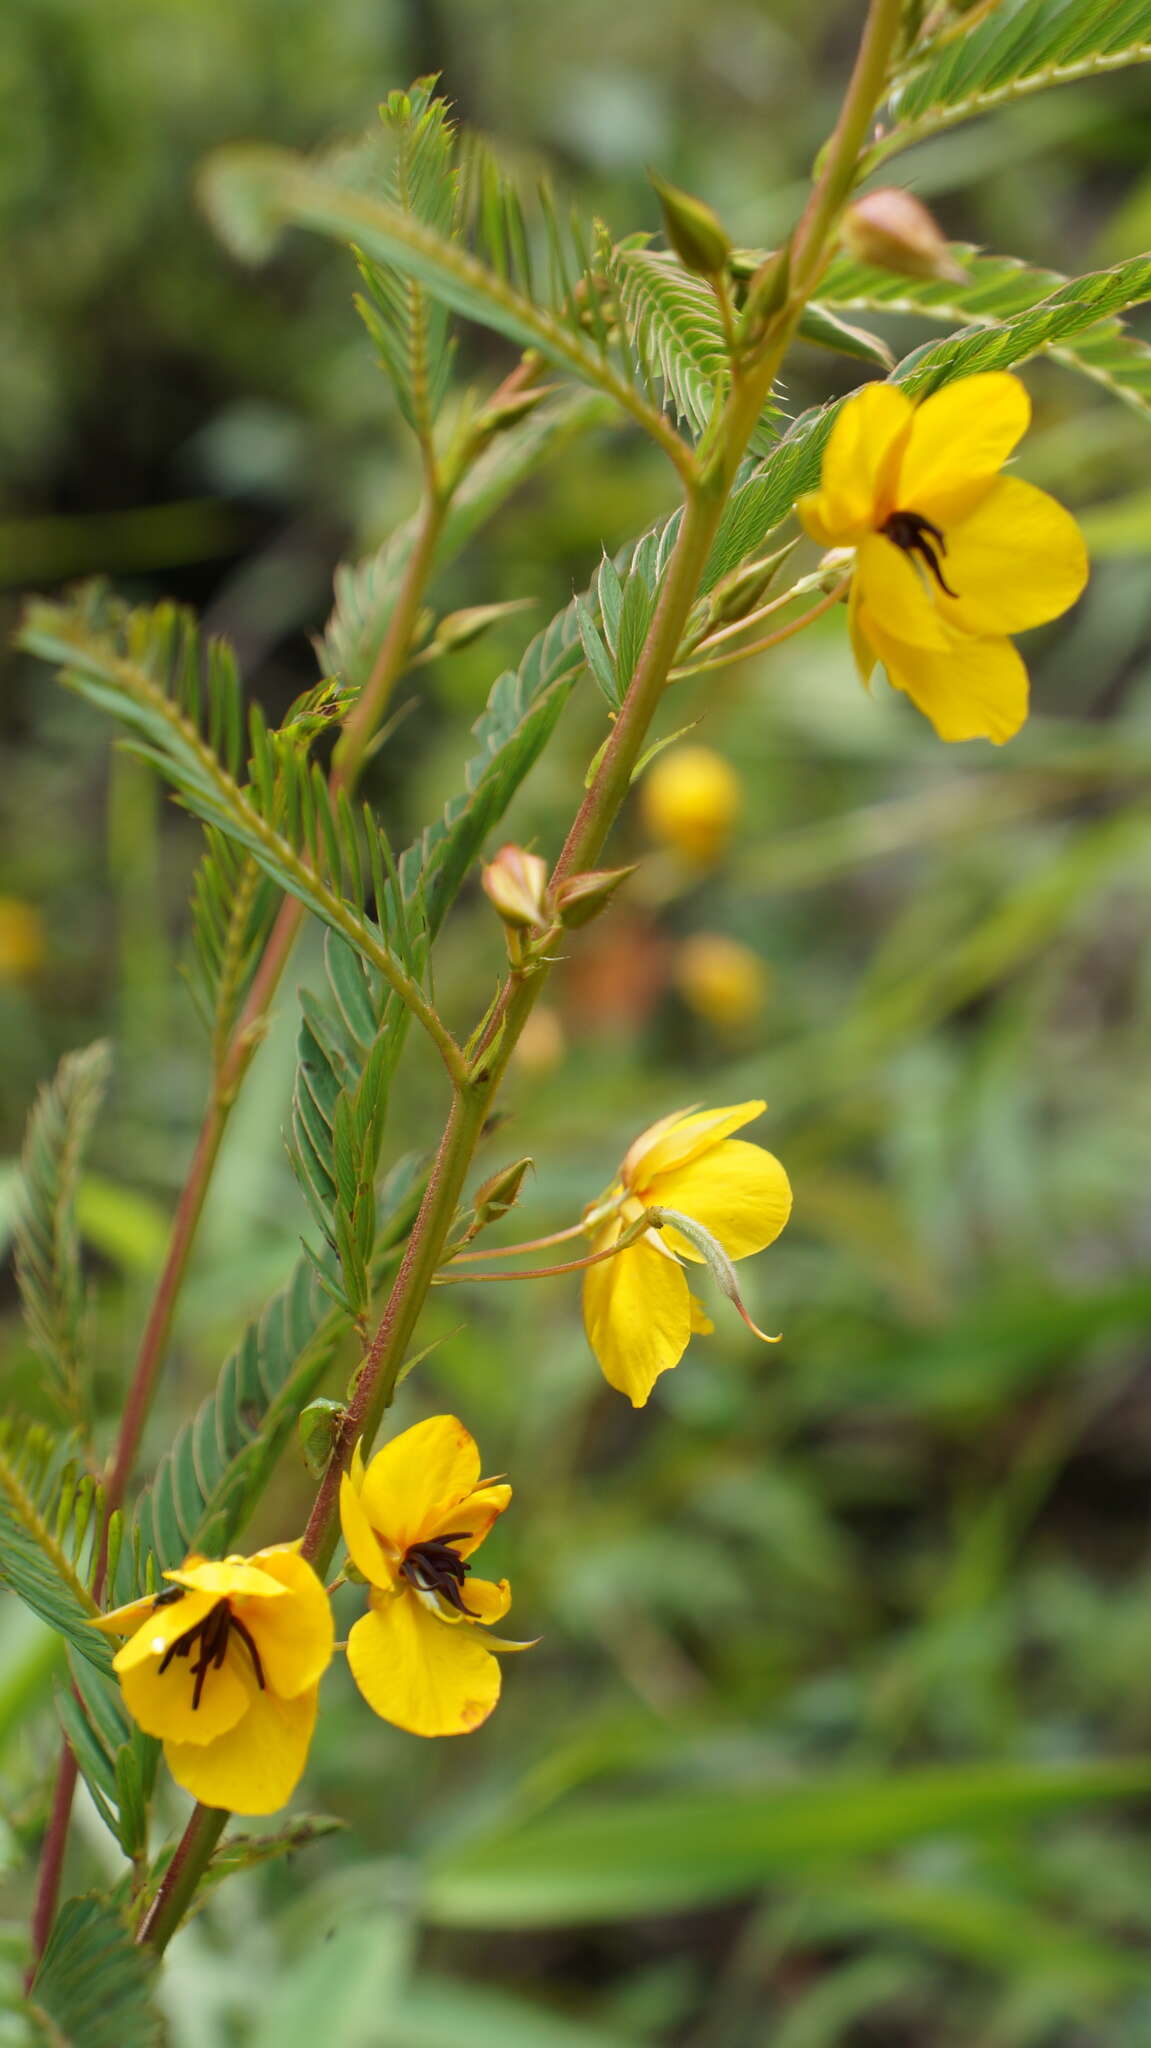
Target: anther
{"type": "Point", "coordinates": [917, 536]}
{"type": "Point", "coordinates": [434, 1567]}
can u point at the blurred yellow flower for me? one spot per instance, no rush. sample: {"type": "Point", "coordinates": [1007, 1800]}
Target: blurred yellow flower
{"type": "Point", "coordinates": [689, 800]}
{"type": "Point", "coordinates": [224, 1666]}
{"type": "Point", "coordinates": [950, 557]}
{"type": "Point", "coordinates": [411, 1520]}
{"type": "Point", "coordinates": [22, 943]}
{"type": "Point", "coordinates": [723, 981]}
{"type": "Point", "coordinates": [639, 1311]}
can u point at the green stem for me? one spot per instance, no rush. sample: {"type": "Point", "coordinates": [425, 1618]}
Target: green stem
{"type": "Point", "coordinates": [176, 1889]}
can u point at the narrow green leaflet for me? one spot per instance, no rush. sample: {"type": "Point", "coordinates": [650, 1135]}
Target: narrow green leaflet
{"type": "Point", "coordinates": [349, 1043]}
{"type": "Point", "coordinates": [254, 192]}
{"type": "Point", "coordinates": [93, 1988]}
{"type": "Point", "coordinates": [1017, 50]}
{"type": "Point", "coordinates": [47, 1242]}
{"type": "Point", "coordinates": [409, 328]}
{"type": "Point", "coordinates": [220, 1459]}
{"type": "Point", "coordinates": [181, 701]}
{"type": "Point", "coordinates": [1073, 310]}
{"type": "Point", "coordinates": [521, 712]}
{"type": "Point", "coordinates": [674, 326]}
{"type": "Point", "coordinates": [41, 1537]}
{"type": "Point", "coordinates": [678, 1851]}
{"type": "Point", "coordinates": [1000, 287]}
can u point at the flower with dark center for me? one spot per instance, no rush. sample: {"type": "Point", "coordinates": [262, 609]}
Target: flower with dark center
{"type": "Point", "coordinates": [434, 1567]}
{"type": "Point", "coordinates": [917, 536]}
{"type": "Point", "coordinates": [224, 1665]}
{"type": "Point", "coordinates": [907, 487]}
{"type": "Point", "coordinates": [412, 1519]}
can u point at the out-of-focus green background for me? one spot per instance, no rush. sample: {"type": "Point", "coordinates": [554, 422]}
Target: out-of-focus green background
{"type": "Point", "coordinates": [912, 1539]}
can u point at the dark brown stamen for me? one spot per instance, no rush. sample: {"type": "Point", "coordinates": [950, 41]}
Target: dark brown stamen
{"type": "Point", "coordinates": [168, 1597]}
{"type": "Point", "coordinates": [211, 1633]}
{"type": "Point", "coordinates": [434, 1567]}
{"type": "Point", "coordinates": [917, 536]}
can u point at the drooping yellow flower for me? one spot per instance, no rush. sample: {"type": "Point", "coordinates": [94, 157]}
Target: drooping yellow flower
{"type": "Point", "coordinates": [224, 1666]}
{"type": "Point", "coordinates": [950, 557]}
{"type": "Point", "coordinates": [639, 1311]}
{"type": "Point", "coordinates": [412, 1519]}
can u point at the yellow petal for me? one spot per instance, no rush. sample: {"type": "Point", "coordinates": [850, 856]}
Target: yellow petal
{"type": "Point", "coordinates": [860, 464]}
{"type": "Point", "coordinates": [420, 1674]}
{"type": "Point", "coordinates": [739, 1192]}
{"type": "Point", "coordinates": [978, 691]}
{"type": "Point", "coordinates": [959, 438]}
{"type": "Point", "coordinates": [163, 1705]}
{"type": "Point", "coordinates": [473, 1517]}
{"type": "Point", "coordinates": [124, 1621]}
{"type": "Point", "coordinates": [896, 595]}
{"type": "Point", "coordinates": [675, 1140]}
{"type": "Point", "coordinates": [164, 1624]}
{"type": "Point", "coordinates": [637, 1314]}
{"type": "Point", "coordinates": [487, 1599]}
{"type": "Point", "coordinates": [295, 1637]}
{"type": "Point", "coordinates": [225, 1575]}
{"type": "Point", "coordinates": [1016, 562]}
{"type": "Point", "coordinates": [861, 647]}
{"type": "Point", "coordinates": [413, 1479]}
{"type": "Point", "coordinates": [701, 1323]}
{"type": "Point", "coordinates": [257, 1765]}
{"type": "Point", "coordinates": [364, 1547]}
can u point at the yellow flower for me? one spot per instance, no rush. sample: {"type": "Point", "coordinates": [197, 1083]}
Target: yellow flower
{"type": "Point", "coordinates": [225, 1667]}
{"type": "Point", "coordinates": [690, 799]}
{"type": "Point", "coordinates": [950, 557]}
{"type": "Point", "coordinates": [639, 1312]}
{"type": "Point", "coordinates": [411, 1520]}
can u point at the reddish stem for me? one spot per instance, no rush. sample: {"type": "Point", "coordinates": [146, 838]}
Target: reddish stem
{"type": "Point", "coordinates": [52, 1858]}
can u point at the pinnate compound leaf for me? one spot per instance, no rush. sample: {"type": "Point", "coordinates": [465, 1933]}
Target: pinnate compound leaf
{"type": "Point", "coordinates": [93, 1987]}
{"type": "Point", "coordinates": [252, 193]}
{"type": "Point", "coordinates": [180, 700]}
{"type": "Point", "coordinates": [219, 1460]}
{"type": "Point", "coordinates": [998, 287]}
{"type": "Point", "coordinates": [43, 1540]}
{"type": "Point", "coordinates": [420, 178]}
{"type": "Point", "coordinates": [47, 1241]}
{"type": "Point", "coordinates": [1015, 51]}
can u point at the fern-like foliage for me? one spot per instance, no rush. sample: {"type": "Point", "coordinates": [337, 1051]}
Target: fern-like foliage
{"type": "Point", "coordinates": [50, 1516]}
{"type": "Point", "coordinates": [674, 326]}
{"type": "Point", "coordinates": [996, 287]}
{"type": "Point", "coordinates": [349, 1045]}
{"type": "Point", "coordinates": [47, 1242]}
{"type": "Point", "coordinates": [1015, 51]}
{"type": "Point", "coordinates": [205, 1483]}
{"type": "Point", "coordinates": [409, 327]}
{"type": "Point", "coordinates": [93, 1984]}
{"type": "Point", "coordinates": [538, 281]}
{"type": "Point", "coordinates": [181, 703]}
{"type": "Point", "coordinates": [234, 905]}
{"type": "Point", "coordinates": [220, 1461]}
{"type": "Point", "coordinates": [49, 1511]}
{"type": "Point", "coordinates": [1065, 317]}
